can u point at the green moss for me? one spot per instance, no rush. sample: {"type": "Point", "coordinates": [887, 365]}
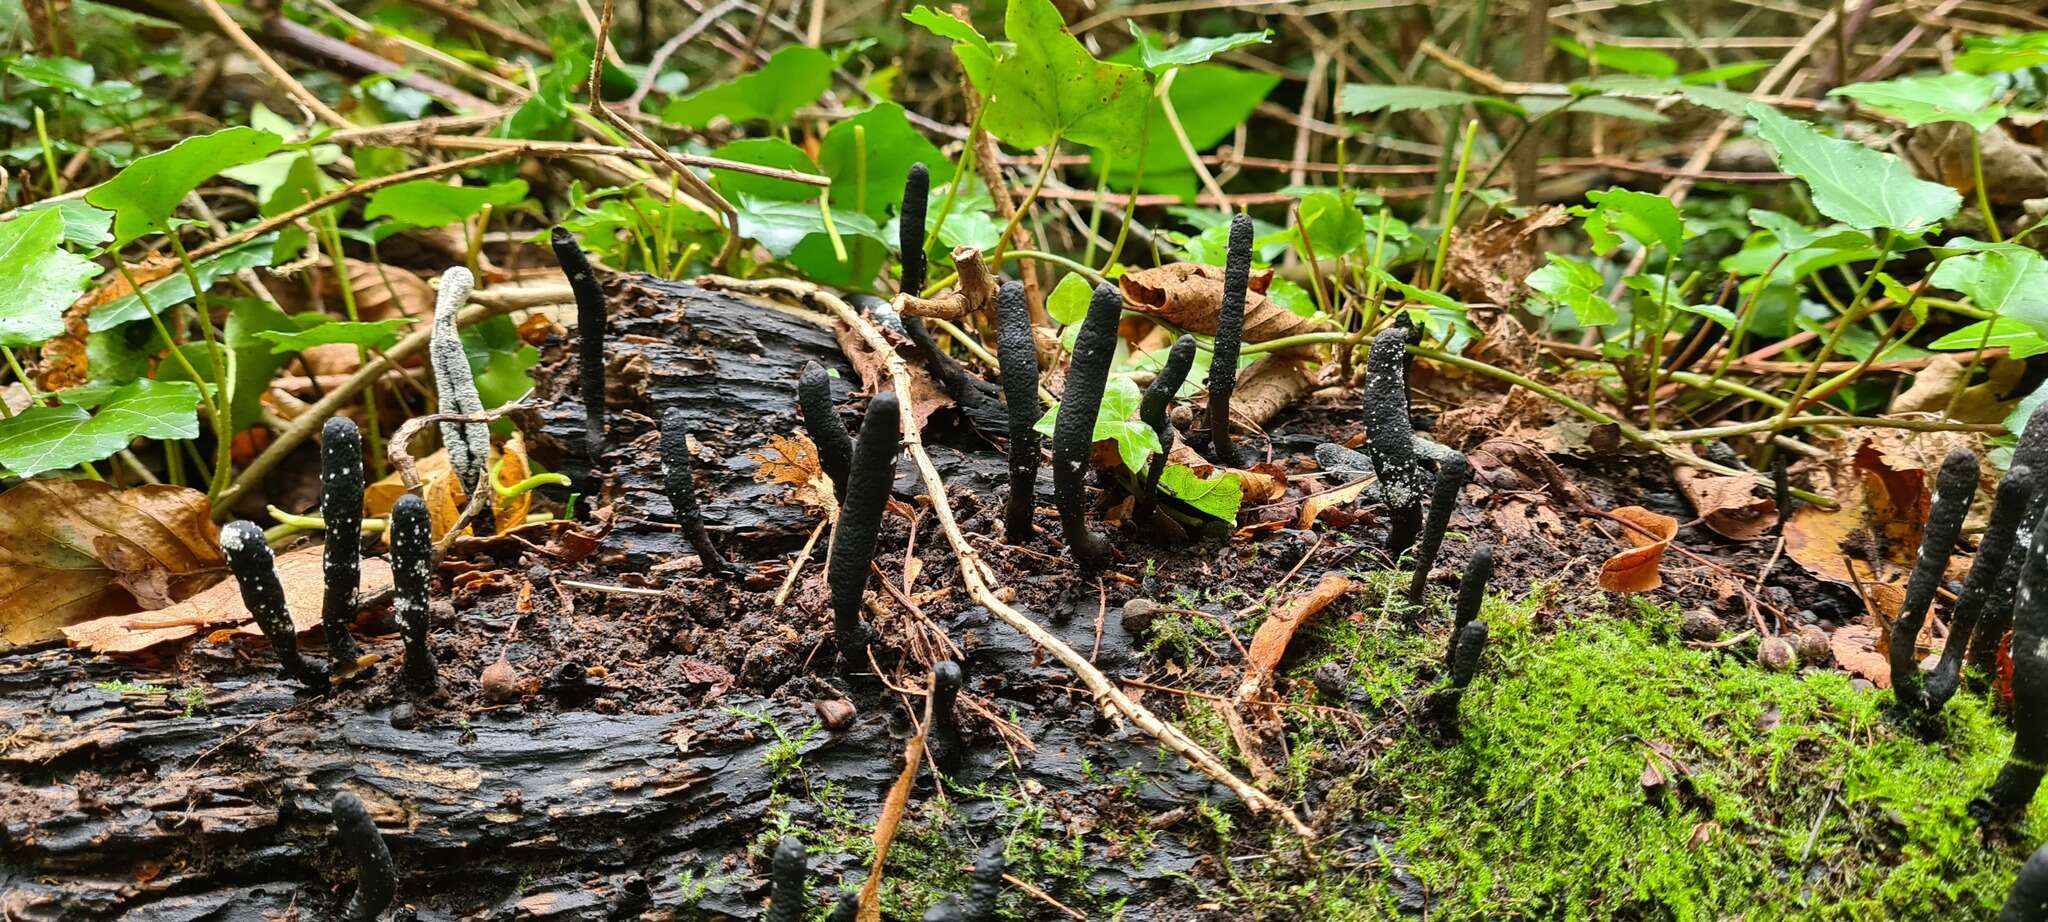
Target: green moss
{"type": "Point", "coordinates": [1792, 796]}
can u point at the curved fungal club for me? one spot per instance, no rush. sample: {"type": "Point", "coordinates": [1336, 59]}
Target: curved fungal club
{"type": "Point", "coordinates": [412, 561]}
{"type": "Point", "coordinates": [1954, 487]}
{"type": "Point", "coordinates": [917, 190]}
{"type": "Point", "coordinates": [1237, 270]}
{"type": "Point", "coordinates": [2030, 453]}
{"type": "Point", "coordinates": [1018, 352]}
{"type": "Point", "coordinates": [376, 875]}
{"type": "Point", "coordinates": [2008, 509]}
{"type": "Point", "coordinates": [1073, 435]}
{"type": "Point", "coordinates": [1390, 437]}
{"type": "Point", "coordinates": [341, 509]}
{"type": "Point", "coordinates": [1466, 646]}
{"type": "Point", "coordinates": [828, 432]}
{"type": "Point", "coordinates": [680, 481]}
{"type": "Point", "coordinates": [1451, 474]}
{"type": "Point", "coordinates": [947, 746]}
{"type": "Point", "coordinates": [255, 569]}
{"type": "Point", "coordinates": [2028, 899]}
{"type": "Point", "coordinates": [860, 519]}
{"type": "Point", "coordinates": [1471, 594]}
{"type": "Point", "coordinates": [2014, 789]}
{"type": "Point", "coordinates": [985, 884]}
{"type": "Point", "coordinates": [1152, 412]}
{"type": "Point", "coordinates": [787, 901]}
{"type": "Point", "coordinates": [468, 444]}
{"type": "Point", "coordinates": [591, 331]}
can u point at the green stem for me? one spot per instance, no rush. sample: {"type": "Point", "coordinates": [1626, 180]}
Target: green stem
{"type": "Point", "coordinates": [1030, 198]}
{"type": "Point", "coordinates": [961, 167]}
{"type": "Point", "coordinates": [1095, 208]}
{"type": "Point", "coordinates": [49, 154]}
{"type": "Point", "coordinates": [1443, 240]}
{"type": "Point", "coordinates": [950, 279]}
{"type": "Point", "coordinates": [1748, 314]}
{"type": "Point", "coordinates": [330, 234]}
{"type": "Point", "coordinates": [1976, 174]}
{"type": "Point", "coordinates": [223, 391]}
{"type": "Point", "coordinates": [1827, 349]}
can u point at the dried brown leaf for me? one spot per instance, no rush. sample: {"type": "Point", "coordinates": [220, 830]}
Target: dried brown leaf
{"type": "Point", "coordinates": [1728, 503]}
{"type": "Point", "coordinates": [72, 550]}
{"type": "Point", "coordinates": [1637, 569]}
{"type": "Point", "coordinates": [1859, 650]}
{"type": "Point", "coordinates": [1189, 296]}
{"type": "Point", "coordinates": [219, 610]}
{"type": "Point", "coordinates": [1487, 264]}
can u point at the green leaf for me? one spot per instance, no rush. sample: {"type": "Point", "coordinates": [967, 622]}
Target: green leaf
{"type": "Point", "coordinates": [883, 141]}
{"type": "Point", "coordinates": [1648, 218]}
{"type": "Point", "coordinates": [1726, 72]}
{"type": "Point", "coordinates": [374, 334]}
{"type": "Point", "coordinates": [1135, 441]}
{"type": "Point", "coordinates": [977, 54]}
{"type": "Point", "coordinates": [175, 289]}
{"type": "Point", "coordinates": [1592, 105]}
{"type": "Point", "coordinates": [1793, 236]}
{"type": "Point", "coordinates": [1218, 496]}
{"type": "Point", "coordinates": [74, 77]}
{"type": "Point", "coordinates": [84, 225]}
{"type": "Point", "coordinates": [1360, 98]}
{"type": "Point", "coordinates": [1068, 302]}
{"type": "Point", "coordinates": [1335, 226]}
{"type": "Point", "coordinates": [2012, 282]}
{"type": "Point", "coordinates": [499, 360]}
{"type": "Point", "coordinates": [781, 226]}
{"type": "Point", "coordinates": [1967, 98]}
{"type": "Point", "coordinates": [1211, 101]}
{"type": "Point", "coordinates": [1645, 61]}
{"type": "Point", "coordinates": [1194, 50]}
{"type": "Point", "coordinates": [1860, 187]}
{"type": "Point", "coordinates": [428, 203]}
{"type": "Point", "coordinates": [1572, 284]}
{"type": "Point", "coordinates": [2023, 340]}
{"type": "Point", "coordinates": [38, 278]}
{"type": "Point", "coordinates": [145, 194]}
{"type": "Point", "coordinates": [46, 438]}
{"type": "Point", "coordinates": [1050, 87]}
{"type": "Point", "coordinates": [796, 76]}
{"type": "Point", "coordinates": [2002, 54]}
{"type": "Point", "coordinates": [770, 152]}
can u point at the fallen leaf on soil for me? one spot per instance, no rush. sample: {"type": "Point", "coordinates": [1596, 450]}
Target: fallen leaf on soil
{"type": "Point", "coordinates": [1882, 508]}
{"type": "Point", "coordinates": [1315, 507]}
{"type": "Point", "coordinates": [1488, 263]}
{"type": "Point", "coordinates": [1728, 503]}
{"type": "Point", "coordinates": [1636, 569]}
{"type": "Point", "coordinates": [1189, 296]}
{"type": "Point", "coordinates": [72, 550]}
{"type": "Point", "coordinates": [1253, 716]}
{"type": "Point", "coordinates": [219, 609]}
{"type": "Point", "coordinates": [445, 498]}
{"type": "Point", "coordinates": [796, 464]}
{"type": "Point", "coordinates": [1270, 385]}
{"type": "Point", "coordinates": [1857, 649]}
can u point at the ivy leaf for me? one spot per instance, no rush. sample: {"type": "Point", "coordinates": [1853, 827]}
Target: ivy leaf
{"type": "Point", "coordinates": [74, 77]}
{"type": "Point", "coordinates": [1050, 87]}
{"type": "Point", "coordinates": [145, 194]}
{"type": "Point", "coordinates": [1334, 225]}
{"type": "Point", "coordinates": [794, 77]}
{"type": "Point", "coordinates": [1192, 51]}
{"type": "Point", "coordinates": [976, 53]}
{"type": "Point", "coordinates": [2009, 281]}
{"type": "Point", "coordinates": [1968, 98]}
{"type": "Point", "coordinates": [1646, 217]}
{"type": "Point", "coordinates": [1068, 302]}
{"type": "Point", "coordinates": [499, 360]}
{"type": "Point", "coordinates": [38, 278]}
{"type": "Point", "coordinates": [1860, 187]}
{"type": "Point", "coordinates": [84, 225]}
{"type": "Point", "coordinates": [1360, 98]}
{"type": "Point", "coordinates": [2024, 341]}
{"type": "Point", "coordinates": [374, 334]}
{"type": "Point", "coordinates": [1135, 441]}
{"type": "Point", "coordinates": [781, 226]}
{"type": "Point", "coordinates": [1211, 101]}
{"type": "Point", "coordinates": [45, 438]}
{"type": "Point", "coordinates": [427, 203]}
{"type": "Point", "coordinates": [882, 142]}
{"type": "Point", "coordinates": [175, 289]}
{"type": "Point", "coordinates": [1572, 284]}
{"type": "Point", "coordinates": [1218, 496]}
{"type": "Point", "coordinates": [771, 152]}
{"type": "Point", "coordinates": [1993, 54]}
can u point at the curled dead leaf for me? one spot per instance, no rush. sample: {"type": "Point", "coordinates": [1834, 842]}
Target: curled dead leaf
{"type": "Point", "coordinates": [795, 463]}
{"type": "Point", "coordinates": [1189, 296]}
{"type": "Point", "coordinates": [73, 550]}
{"type": "Point", "coordinates": [1881, 509]}
{"type": "Point", "coordinates": [1727, 502]}
{"type": "Point", "coordinates": [1637, 569]}
{"type": "Point", "coordinates": [1860, 651]}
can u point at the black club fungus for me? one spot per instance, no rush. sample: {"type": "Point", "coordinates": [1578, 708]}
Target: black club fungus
{"type": "Point", "coordinates": [1237, 270]}
{"type": "Point", "coordinates": [1451, 476]}
{"type": "Point", "coordinates": [591, 331]}
{"type": "Point", "coordinates": [412, 559]}
{"type": "Point", "coordinates": [1954, 487]}
{"type": "Point", "coordinates": [2008, 507]}
{"type": "Point", "coordinates": [860, 518]}
{"type": "Point", "coordinates": [2021, 777]}
{"type": "Point", "coordinates": [680, 482]}
{"type": "Point", "coordinates": [376, 876]}
{"type": "Point", "coordinates": [1152, 412]}
{"type": "Point", "coordinates": [341, 508]}
{"type": "Point", "coordinates": [828, 432]}
{"type": "Point", "coordinates": [1073, 435]}
{"type": "Point", "coordinates": [1018, 352]}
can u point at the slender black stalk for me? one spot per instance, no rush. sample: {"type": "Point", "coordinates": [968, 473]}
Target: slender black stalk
{"type": "Point", "coordinates": [947, 747]}
{"type": "Point", "coordinates": [1466, 647]}
{"type": "Point", "coordinates": [592, 327]}
{"type": "Point", "coordinates": [1152, 412]}
{"type": "Point", "coordinates": [2031, 453]}
{"type": "Point", "coordinates": [1471, 595]}
{"type": "Point", "coordinates": [835, 444]}
{"type": "Point", "coordinates": [2028, 900]}
{"type": "Point", "coordinates": [787, 899]}
{"type": "Point", "coordinates": [847, 909]}
{"type": "Point", "coordinates": [1073, 434]}
{"type": "Point", "coordinates": [341, 508]}
{"type": "Point", "coordinates": [412, 558]}
{"type": "Point", "coordinates": [1018, 352]}
{"type": "Point", "coordinates": [860, 518]}
{"type": "Point", "coordinates": [1781, 492]}
{"type": "Point", "coordinates": [680, 481]}
{"type": "Point", "coordinates": [986, 884]}
{"type": "Point", "coordinates": [1237, 274]}
{"type": "Point", "coordinates": [376, 875]}
{"type": "Point", "coordinates": [917, 190]}
{"type": "Point", "coordinates": [1390, 437]}
{"type": "Point", "coordinates": [255, 569]}
{"type": "Point", "coordinates": [2015, 492]}
{"type": "Point", "coordinates": [1954, 487]}
{"type": "Point", "coordinates": [1451, 476]}
{"type": "Point", "coordinates": [945, 910]}
{"type": "Point", "coordinates": [2009, 796]}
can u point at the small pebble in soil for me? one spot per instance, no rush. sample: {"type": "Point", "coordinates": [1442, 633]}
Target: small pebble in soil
{"type": "Point", "coordinates": [1811, 643]}
{"type": "Point", "coordinates": [835, 713]}
{"type": "Point", "coordinates": [1137, 615]}
{"type": "Point", "coordinates": [1700, 626]}
{"type": "Point", "coordinates": [1333, 682]}
{"type": "Point", "coordinates": [1777, 655]}
{"type": "Point", "coordinates": [403, 717]}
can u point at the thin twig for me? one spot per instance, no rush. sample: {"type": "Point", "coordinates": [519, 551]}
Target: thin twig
{"type": "Point", "coordinates": [233, 30]}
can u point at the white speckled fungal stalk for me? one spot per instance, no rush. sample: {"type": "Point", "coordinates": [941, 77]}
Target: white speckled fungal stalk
{"type": "Point", "coordinates": [468, 444]}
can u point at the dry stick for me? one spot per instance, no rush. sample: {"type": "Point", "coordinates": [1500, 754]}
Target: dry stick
{"type": "Point", "coordinates": [509, 36]}
{"type": "Point", "coordinates": [233, 30]}
{"type": "Point", "coordinates": [284, 218]}
{"type": "Point", "coordinates": [691, 182]}
{"type": "Point", "coordinates": [575, 149]}
{"type": "Point", "coordinates": [1107, 694]}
